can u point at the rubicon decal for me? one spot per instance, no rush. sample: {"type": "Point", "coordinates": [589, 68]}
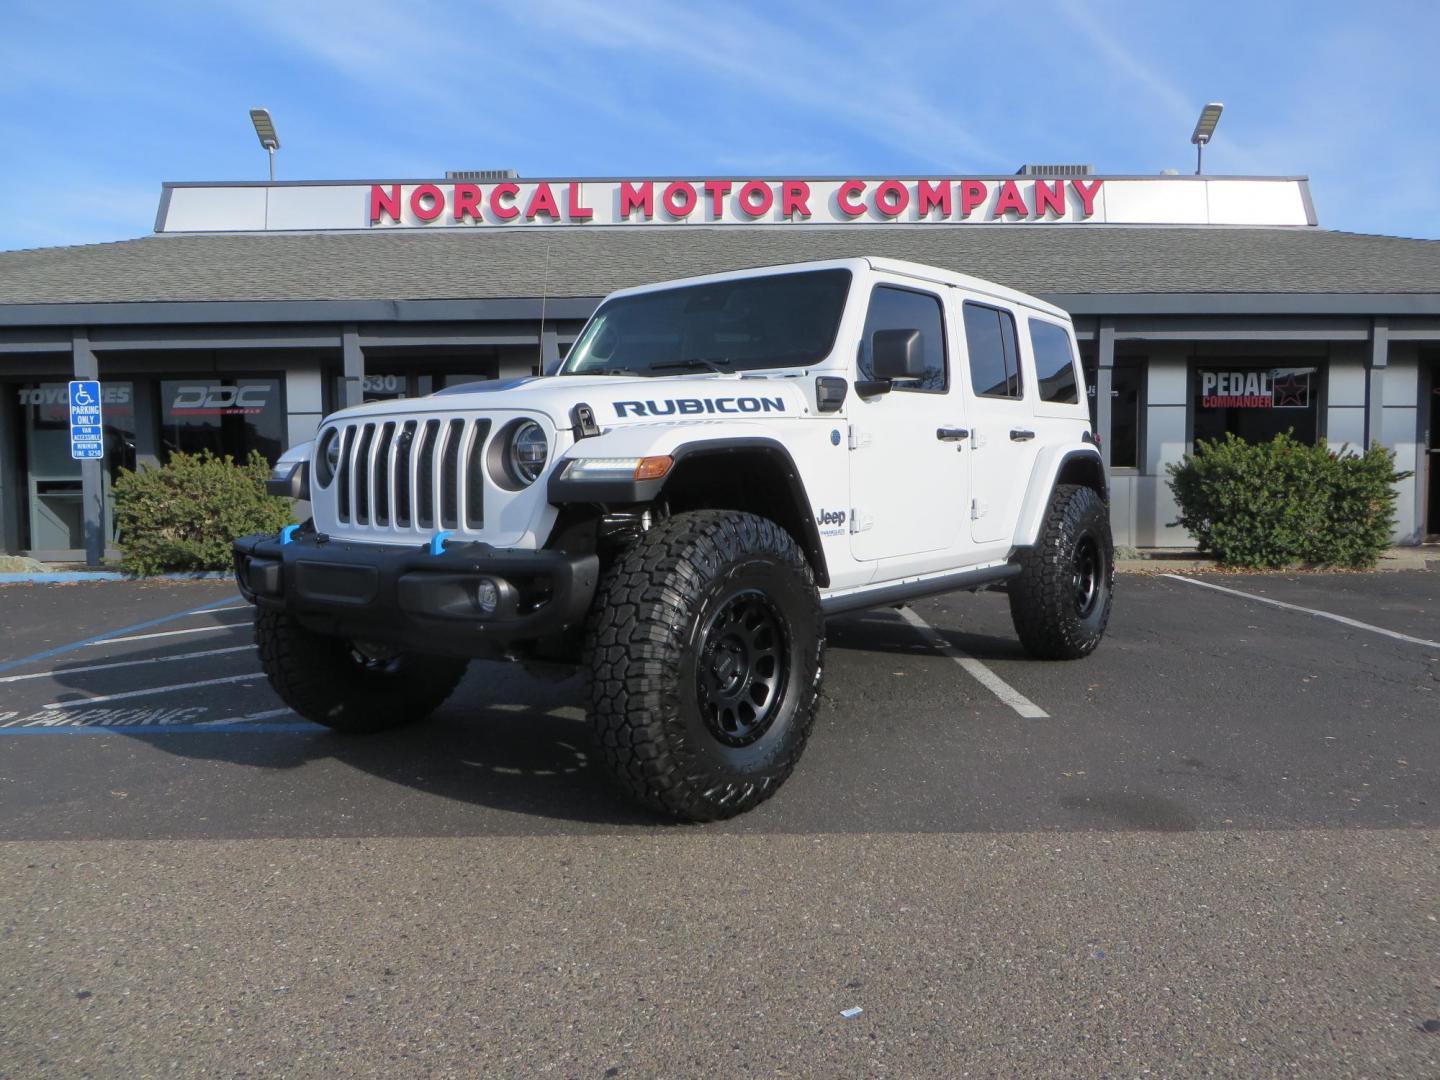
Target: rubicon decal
{"type": "Point", "coordinates": [699, 406]}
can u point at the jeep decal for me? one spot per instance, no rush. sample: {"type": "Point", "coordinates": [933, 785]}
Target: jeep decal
{"type": "Point", "coordinates": [693, 406]}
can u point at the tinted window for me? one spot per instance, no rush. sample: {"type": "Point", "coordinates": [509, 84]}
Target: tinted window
{"type": "Point", "coordinates": [1054, 362]}
{"type": "Point", "coordinates": [902, 309]}
{"type": "Point", "coordinates": [777, 320]}
{"type": "Point", "coordinates": [224, 416]}
{"type": "Point", "coordinates": [994, 359]}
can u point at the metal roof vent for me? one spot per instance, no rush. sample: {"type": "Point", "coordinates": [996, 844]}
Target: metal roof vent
{"type": "Point", "coordinates": [1055, 170]}
{"type": "Point", "coordinates": [481, 174]}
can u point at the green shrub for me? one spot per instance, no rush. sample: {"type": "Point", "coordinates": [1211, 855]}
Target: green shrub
{"type": "Point", "coordinates": [184, 515]}
{"type": "Point", "coordinates": [1283, 502]}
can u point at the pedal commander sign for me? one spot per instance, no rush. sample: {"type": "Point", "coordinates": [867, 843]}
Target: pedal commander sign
{"type": "Point", "coordinates": [1276, 388]}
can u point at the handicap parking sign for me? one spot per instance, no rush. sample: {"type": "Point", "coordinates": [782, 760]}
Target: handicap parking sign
{"type": "Point", "coordinates": [87, 432]}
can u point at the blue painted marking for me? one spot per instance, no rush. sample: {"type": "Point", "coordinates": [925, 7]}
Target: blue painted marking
{"type": "Point", "coordinates": [164, 729]}
{"type": "Point", "coordinates": [46, 654]}
{"type": "Point", "coordinates": [437, 543]}
{"type": "Point", "coordinates": [287, 533]}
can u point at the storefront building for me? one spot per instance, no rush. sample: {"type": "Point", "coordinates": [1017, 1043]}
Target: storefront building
{"type": "Point", "coordinates": [1203, 305]}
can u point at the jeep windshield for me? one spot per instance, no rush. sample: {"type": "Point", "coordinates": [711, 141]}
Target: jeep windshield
{"type": "Point", "coordinates": [771, 321]}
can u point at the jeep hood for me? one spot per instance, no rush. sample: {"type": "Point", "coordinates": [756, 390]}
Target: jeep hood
{"type": "Point", "coordinates": [615, 399]}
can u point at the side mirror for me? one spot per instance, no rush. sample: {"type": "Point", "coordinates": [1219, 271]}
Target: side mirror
{"type": "Point", "coordinates": [897, 354]}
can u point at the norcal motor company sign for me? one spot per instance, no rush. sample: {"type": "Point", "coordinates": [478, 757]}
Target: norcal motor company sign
{"type": "Point", "coordinates": [720, 201]}
{"type": "Point", "coordinates": [1011, 201]}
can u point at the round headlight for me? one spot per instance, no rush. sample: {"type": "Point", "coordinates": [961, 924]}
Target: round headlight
{"type": "Point", "coordinates": [528, 452]}
{"type": "Point", "coordinates": [327, 461]}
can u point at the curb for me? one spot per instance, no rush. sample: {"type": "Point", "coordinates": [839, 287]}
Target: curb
{"type": "Point", "coordinates": [67, 577]}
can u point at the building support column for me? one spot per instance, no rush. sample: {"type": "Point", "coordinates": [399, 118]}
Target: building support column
{"type": "Point", "coordinates": [1104, 385]}
{"type": "Point", "coordinates": [92, 484]}
{"type": "Point", "coordinates": [549, 352]}
{"type": "Point", "coordinates": [354, 360]}
{"type": "Point", "coordinates": [1378, 361]}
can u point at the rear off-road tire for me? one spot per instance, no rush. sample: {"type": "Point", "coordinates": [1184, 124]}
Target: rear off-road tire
{"type": "Point", "coordinates": [346, 686]}
{"type": "Point", "coordinates": [1060, 601]}
{"type": "Point", "coordinates": [705, 648]}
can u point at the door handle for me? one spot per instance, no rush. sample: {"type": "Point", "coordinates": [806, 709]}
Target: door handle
{"type": "Point", "coordinates": [1020, 435]}
{"type": "Point", "coordinates": [951, 434]}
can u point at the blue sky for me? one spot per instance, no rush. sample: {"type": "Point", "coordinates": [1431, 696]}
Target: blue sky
{"type": "Point", "coordinates": [103, 101]}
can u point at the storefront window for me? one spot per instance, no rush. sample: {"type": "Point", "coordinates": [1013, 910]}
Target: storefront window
{"type": "Point", "coordinates": [53, 487]}
{"type": "Point", "coordinates": [1256, 403]}
{"type": "Point", "coordinates": [1124, 434]}
{"type": "Point", "coordinates": [224, 416]}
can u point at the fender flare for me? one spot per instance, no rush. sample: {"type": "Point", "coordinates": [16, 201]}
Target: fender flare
{"type": "Point", "coordinates": [565, 492]}
{"type": "Point", "coordinates": [1043, 477]}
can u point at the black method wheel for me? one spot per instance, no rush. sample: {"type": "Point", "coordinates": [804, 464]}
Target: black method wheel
{"type": "Point", "coordinates": [1060, 602]}
{"type": "Point", "coordinates": [705, 647]}
{"type": "Point", "coordinates": [354, 687]}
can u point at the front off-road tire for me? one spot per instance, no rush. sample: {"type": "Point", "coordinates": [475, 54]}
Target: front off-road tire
{"type": "Point", "coordinates": [1060, 601]}
{"type": "Point", "coordinates": [705, 647]}
{"type": "Point", "coordinates": [336, 683]}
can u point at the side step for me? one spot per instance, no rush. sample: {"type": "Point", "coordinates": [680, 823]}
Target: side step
{"type": "Point", "coordinates": [884, 595]}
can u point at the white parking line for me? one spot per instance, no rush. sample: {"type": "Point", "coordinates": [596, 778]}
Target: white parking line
{"type": "Point", "coordinates": [167, 633]}
{"type": "Point", "coordinates": [978, 671]}
{"type": "Point", "coordinates": [126, 663]}
{"type": "Point", "coordinates": [213, 610]}
{"type": "Point", "coordinates": [73, 702]}
{"type": "Point", "coordinates": [1357, 624]}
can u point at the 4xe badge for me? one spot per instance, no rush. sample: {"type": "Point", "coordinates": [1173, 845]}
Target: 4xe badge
{"type": "Point", "coordinates": [831, 522]}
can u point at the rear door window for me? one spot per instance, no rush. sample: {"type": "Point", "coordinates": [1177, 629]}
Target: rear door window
{"type": "Point", "coordinates": [994, 357]}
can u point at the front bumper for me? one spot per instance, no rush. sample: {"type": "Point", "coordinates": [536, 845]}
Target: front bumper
{"type": "Point", "coordinates": [411, 600]}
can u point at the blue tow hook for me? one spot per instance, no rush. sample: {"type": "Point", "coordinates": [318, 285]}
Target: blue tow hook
{"type": "Point", "coordinates": [437, 543]}
{"type": "Point", "coordinates": [287, 534]}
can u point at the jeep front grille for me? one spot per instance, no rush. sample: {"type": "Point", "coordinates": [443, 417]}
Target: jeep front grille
{"type": "Point", "coordinates": [411, 475]}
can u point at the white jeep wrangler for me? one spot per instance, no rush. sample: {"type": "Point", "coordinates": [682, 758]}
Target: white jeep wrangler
{"type": "Point", "coordinates": [718, 465]}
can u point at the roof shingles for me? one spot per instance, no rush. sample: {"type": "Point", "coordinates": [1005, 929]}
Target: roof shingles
{"type": "Point", "coordinates": [476, 264]}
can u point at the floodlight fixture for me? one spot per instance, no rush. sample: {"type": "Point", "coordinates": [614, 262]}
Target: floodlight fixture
{"type": "Point", "coordinates": [1205, 130]}
{"type": "Point", "coordinates": [265, 129]}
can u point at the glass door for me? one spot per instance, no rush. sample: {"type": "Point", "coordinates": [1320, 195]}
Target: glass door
{"type": "Point", "coordinates": [53, 487]}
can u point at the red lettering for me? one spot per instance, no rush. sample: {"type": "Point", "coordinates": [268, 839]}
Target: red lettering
{"type": "Point", "coordinates": [578, 210]}
{"type": "Point", "coordinates": [845, 198]}
{"type": "Point", "coordinates": [1087, 195]}
{"type": "Point", "coordinates": [466, 202]}
{"type": "Point", "coordinates": [505, 211]}
{"type": "Point", "coordinates": [427, 211]}
{"type": "Point", "coordinates": [1046, 199]}
{"type": "Point", "coordinates": [679, 198]}
{"type": "Point", "coordinates": [717, 190]}
{"type": "Point", "coordinates": [384, 202]}
{"type": "Point", "coordinates": [973, 193]}
{"type": "Point", "coordinates": [1011, 199]}
{"type": "Point", "coordinates": [794, 198]}
{"type": "Point", "coordinates": [637, 197]}
{"type": "Point", "coordinates": [936, 196]}
{"type": "Point", "coordinates": [891, 198]}
{"type": "Point", "coordinates": [543, 202]}
{"type": "Point", "coordinates": [748, 206]}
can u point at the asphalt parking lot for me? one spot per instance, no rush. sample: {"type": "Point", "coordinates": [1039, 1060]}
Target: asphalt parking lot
{"type": "Point", "coordinates": [1210, 849]}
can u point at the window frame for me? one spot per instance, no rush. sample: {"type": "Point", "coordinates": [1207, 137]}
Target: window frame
{"type": "Point", "coordinates": [1017, 373]}
{"type": "Point", "coordinates": [945, 364]}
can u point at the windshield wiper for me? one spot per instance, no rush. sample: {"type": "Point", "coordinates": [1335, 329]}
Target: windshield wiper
{"type": "Point", "coordinates": [707, 363]}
